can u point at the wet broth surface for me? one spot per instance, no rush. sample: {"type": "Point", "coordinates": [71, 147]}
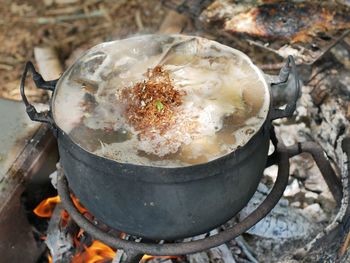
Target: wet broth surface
{"type": "Point", "coordinates": [224, 100]}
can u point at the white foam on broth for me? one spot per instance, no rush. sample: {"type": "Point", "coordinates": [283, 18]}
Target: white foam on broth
{"type": "Point", "coordinates": [226, 100]}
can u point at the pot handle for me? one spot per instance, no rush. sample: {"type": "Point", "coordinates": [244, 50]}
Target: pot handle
{"type": "Point", "coordinates": [288, 69]}
{"type": "Point", "coordinates": [40, 83]}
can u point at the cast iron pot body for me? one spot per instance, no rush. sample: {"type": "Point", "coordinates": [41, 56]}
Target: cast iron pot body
{"type": "Point", "coordinates": [159, 202]}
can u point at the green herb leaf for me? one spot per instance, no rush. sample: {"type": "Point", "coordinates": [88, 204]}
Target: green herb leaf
{"type": "Point", "coordinates": [159, 105]}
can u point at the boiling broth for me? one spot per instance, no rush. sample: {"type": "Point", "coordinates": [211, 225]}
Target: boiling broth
{"type": "Point", "coordinates": [224, 103]}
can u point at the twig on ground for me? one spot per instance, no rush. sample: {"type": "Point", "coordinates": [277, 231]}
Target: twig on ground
{"type": "Point", "coordinates": [245, 248]}
{"type": "Point", "coordinates": [345, 245]}
{"type": "Point", "coordinates": [138, 20]}
{"type": "Point", "coordinates": [6, 67]}
{"type": "Point", "coordinates": [64, 18]}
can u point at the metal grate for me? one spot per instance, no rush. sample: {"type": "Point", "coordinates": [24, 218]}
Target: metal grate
{"type": "Point", "coordinates": [135, 250]}
{"type": "Point", "coordinates": [304, 53]}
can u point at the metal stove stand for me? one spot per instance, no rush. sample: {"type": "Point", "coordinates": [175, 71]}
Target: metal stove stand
{"type": "Point", "coordinates": [135, 250]}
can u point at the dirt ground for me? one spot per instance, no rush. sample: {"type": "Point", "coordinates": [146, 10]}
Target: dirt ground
{"type": "Point", "coordinates": [69, 26]}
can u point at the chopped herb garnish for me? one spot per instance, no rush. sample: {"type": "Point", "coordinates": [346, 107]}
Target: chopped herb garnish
{"type": "Point", "coordinates": [152, 103]}
{"type": "Point", "coordinates": [159, 105]}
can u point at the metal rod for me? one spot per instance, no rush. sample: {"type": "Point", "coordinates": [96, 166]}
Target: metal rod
{"type": "Point", "coordinates": [332, 180]}
{"type": "Point", "coordinates": [186, 247]}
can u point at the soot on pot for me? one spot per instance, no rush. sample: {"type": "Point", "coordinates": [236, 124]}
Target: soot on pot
{"type": "Point", "coordinates": [161, 101]}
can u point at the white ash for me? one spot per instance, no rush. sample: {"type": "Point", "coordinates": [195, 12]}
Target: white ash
{"type": "Point", "coordinates": [220, 254]}
{"type": "Point", "coordinates": [283, 222]}
{"type": "Point", "coordinates": [53, 178]}
{"type": "Point", "coordinates": [315, 213]}
{"type": "Point", "coordinates": [59, 240]}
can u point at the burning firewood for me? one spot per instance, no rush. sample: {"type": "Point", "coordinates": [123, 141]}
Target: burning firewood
{"type": "Point", "coordinates": [65, 240]}
{"type": "Point", "coordinates": [285, 20]}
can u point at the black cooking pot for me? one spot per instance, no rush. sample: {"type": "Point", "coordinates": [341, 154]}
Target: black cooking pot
{"type": "Point", "coordinates": [162, 202]}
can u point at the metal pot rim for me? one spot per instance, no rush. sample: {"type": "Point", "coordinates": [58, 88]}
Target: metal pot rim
{"type": "Point", "coordinates": [264, 112]}
{"type": "Point", "coordinates": [271, 113]}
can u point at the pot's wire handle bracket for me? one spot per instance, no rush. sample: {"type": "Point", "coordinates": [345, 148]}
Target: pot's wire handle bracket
{"type": "Point", "coordinates": [288, 69]}
{"type": "Point", "coordinates": [40, 83]}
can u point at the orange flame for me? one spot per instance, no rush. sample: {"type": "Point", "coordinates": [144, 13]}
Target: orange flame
{"type": "Point", "coordinates": [78, 205]}
{"type": "Point", "coordinates": [46, 207]}
{"type": "Point", "coordinates": [65, 217]}
{"type": "Point", "coordinates": [96, 253]}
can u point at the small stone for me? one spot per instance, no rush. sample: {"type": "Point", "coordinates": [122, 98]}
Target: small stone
{"type": "Point", "coordinates": [262, 188]}
{"type": "Point", "coordinates": [271, 172]}
{"type": "Point", "coordinates": [315, 182]}
{"type": "Point", "coordinates": [236, 250]}
{"type": "Point", "coordinates": [296, 204]}
{"type": "Point", "coordinates": [302, 166]}
{"type": "Point", "coordinates": [301, 111]}
{"type": "Point", "coordinates": [283, 202]}
{"type": "Point", "coordinates": [310, 197]}
{"type": "Point", "coordinates": [319, 94]}
{"type": "Point", "coordinates": [314, 213]}
{"type": "Point", "coordinates": [292, 133]}
{"type": "Point", "coordinates": [327, 202]}
{"type": "Point", "coordinates": [292, 189]}
{"type": "Point", "coordinates": [48, 2]}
